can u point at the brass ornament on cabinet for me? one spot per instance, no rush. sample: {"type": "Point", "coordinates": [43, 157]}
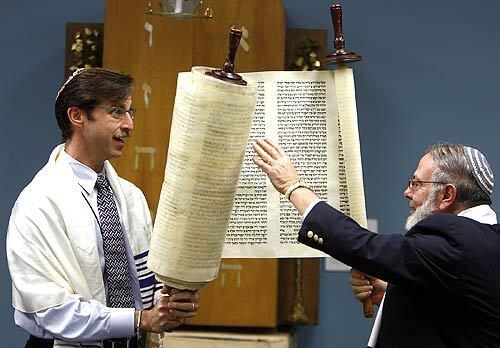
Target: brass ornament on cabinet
{"type": "Point", "coordinates": [298, 316]}
{"type": "Point", "coordinates": [305, 49]}
{"type": "Point", "coordinates": [307, 57]}
{"type": "Point", "coordinates": [84, 46]}
{"type": "Point", "coordinates": [181, 9]}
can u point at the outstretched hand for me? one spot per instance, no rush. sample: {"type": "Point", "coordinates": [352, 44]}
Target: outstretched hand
{"type": "Point", "coordinates": [275, 163]}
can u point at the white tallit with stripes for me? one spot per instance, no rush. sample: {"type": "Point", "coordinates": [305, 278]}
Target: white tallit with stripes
{"type": "Point", "coordinates": [52, 249]}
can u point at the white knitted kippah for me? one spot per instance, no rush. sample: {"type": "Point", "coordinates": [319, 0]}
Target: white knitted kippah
{"type": "Point", "coordinates": [480, 169]}
{"type": "Point", "coordinates": [76, 72]}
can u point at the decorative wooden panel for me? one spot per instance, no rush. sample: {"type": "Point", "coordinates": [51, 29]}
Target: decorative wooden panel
{"type": "Point", "coordinates": [83, 46]}
{"type": "Point", "coordinates": [155, 68]}
{"type": "Point", "coordinates": [246, 293]}
{"type": "Point", "coordinates": [262, 45]}
{"type": "Point", "coordinates": [304, 47]}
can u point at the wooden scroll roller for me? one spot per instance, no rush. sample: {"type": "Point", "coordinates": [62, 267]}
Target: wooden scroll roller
{"type": "Point", "coordinates": [227, 72]}
{"type": "Point", "coordinates": [340, 57]}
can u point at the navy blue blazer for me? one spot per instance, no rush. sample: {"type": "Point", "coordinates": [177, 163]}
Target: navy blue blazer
{"type": "Point", "coordinates": [443, 275]}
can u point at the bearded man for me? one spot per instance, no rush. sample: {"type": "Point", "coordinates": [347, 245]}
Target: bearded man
{"type": "Point", "coordinates": [440, 278]}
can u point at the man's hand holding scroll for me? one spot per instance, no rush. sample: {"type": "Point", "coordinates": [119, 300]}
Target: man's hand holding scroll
{"type": "Point", "coordinates": [170, 311]}
{"type": "Point", "coordinates": [364, 286]}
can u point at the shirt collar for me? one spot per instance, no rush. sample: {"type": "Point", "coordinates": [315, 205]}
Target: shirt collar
{"type": "Point", "coordinates": [481, 213]}
{"type": "Point", "coordinates": [85, 176]}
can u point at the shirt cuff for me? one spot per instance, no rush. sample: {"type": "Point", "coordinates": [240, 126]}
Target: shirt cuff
{"type": "Point", "coordinates": [122, 322]}
{"type": "Point", "coordinates": [309, 208]}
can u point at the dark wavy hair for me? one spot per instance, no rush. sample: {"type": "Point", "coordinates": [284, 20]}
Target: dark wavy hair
{"type": "Point", "coordinates": [87, 88]}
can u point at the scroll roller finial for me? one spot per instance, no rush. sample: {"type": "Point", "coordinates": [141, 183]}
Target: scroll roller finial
{"type": "Point", "coordinates": [340, 56]}
{"type": "Point", "coordinates": [227, 72]}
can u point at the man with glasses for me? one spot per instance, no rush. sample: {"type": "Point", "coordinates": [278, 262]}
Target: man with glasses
{"type": "Point", "coordinates": [78, 236]}
{"type": "Point", "coordinates": [440, 280]}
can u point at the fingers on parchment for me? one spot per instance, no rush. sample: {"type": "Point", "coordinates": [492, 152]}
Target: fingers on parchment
{"type": "Point", "coordinates": [270, 148]}
{"type": "Point", "coordinates": [278, 148]}
{"type": "Point", "coordinates": [259, 160]}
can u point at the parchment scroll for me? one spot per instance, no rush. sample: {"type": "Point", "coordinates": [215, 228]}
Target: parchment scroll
{"type": "Point", "coordinates": [312, 115]}
{"type": "Point", "coordinates": [210, 127]}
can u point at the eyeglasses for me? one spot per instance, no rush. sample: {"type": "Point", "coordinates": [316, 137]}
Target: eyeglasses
{"type": "Point", "coordinates": [414, 185]}
{"type": "Point", "coordinates": [118, 112]}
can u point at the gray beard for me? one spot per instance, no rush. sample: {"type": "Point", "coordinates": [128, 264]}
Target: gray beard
{"type": "Point", "coordinates": [428, 208]}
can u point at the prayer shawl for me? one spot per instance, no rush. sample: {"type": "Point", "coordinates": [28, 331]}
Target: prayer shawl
{"type": "Point", "coordinates": [51, 244]}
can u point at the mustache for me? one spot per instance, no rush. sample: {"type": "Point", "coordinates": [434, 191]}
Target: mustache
{"type": "Point", "coordinates": [122, 134]}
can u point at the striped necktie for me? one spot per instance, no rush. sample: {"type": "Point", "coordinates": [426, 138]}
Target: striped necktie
{"type": "Point", "coordinates": [115, 258]}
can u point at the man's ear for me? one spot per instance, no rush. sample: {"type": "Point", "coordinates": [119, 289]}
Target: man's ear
{"type": "Point", "coordinates": [76, 116]}
{"type": "Point", "coordinates": [448, 198]}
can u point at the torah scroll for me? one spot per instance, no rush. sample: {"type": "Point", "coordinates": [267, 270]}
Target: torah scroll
{"type": "Point", "coordinates": [312, 115]}
{"type": "Point", "coordinates": [210, 127]}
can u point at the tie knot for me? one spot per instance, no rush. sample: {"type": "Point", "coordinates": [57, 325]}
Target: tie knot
{"type": "Point", "coordinates": [101, 182]}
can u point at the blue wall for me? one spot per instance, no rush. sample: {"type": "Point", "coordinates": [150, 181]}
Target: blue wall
{"type": "Point", "coordinates": [429, 73]}
{"type": "Point", "coordinates": [32, 63]}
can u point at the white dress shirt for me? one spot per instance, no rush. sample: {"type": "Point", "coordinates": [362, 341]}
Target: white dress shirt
{"type": "Point", "coordinates": [77, 320]}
